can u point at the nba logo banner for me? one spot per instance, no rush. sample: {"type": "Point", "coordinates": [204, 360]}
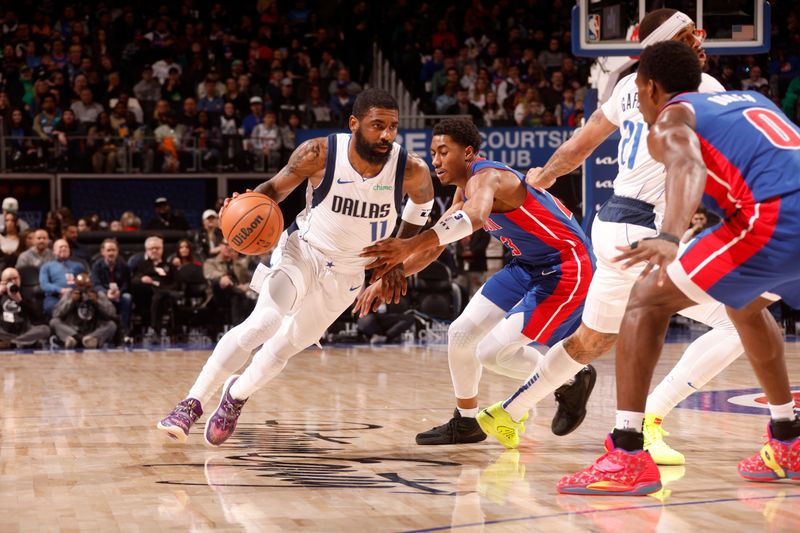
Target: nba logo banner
{"type": "Point", "coordinates": [593, 28]}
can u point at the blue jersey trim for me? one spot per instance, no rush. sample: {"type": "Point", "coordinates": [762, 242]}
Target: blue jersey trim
{"type": "Point", "coordinates": [398, 178]}
{"type": "Point", "coordinates": [327, 179]}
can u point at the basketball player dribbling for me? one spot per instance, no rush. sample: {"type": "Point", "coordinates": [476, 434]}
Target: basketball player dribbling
{"type": "Point", "coordinates": [634, 212]}
{"type": "Point", "coordinates": [359, 180]}
{"type": "Point", "coordinates": [740, 155]}
{"type": "Point", "coordinates": [536, 298]}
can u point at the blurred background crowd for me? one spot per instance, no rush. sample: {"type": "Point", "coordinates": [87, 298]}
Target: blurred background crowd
{"type": "Point", "coordinates": [206, 86]}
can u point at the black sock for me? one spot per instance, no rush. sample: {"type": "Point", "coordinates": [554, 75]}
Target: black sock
{"type": "Point", "coordinates": [629, 440]}
{"type": "Point", "coordinates": [785, 429]}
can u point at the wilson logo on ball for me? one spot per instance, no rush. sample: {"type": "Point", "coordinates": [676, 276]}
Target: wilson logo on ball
{"type": "Point", "coordinates": [246, 231]}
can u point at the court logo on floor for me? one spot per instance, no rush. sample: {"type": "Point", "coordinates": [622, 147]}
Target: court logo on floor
{"type": "Point", "coordinates": [744, 401]}
{"type": "Point", "coordinates": [311, 455]}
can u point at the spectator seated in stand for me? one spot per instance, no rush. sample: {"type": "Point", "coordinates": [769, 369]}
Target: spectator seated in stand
{"type": "Point", "coordinates": [112, 277]}
{"type": "Point", "coordinates": [184, 255]}
{"type": "Point", "coordinates": [153, 285]}
{"type": "Point", "coordinates": [165, 218]}
{"type": "Point", "coordinates": [39, 254]}
{"type": "Point", "coordinates": [230, 281]}
{"type": "Point", "coordinates": [209, 239]}
{"type": "Point", "coordinates": [57, 277]}
{"type": "Point", "coordinates": [84, 316]}
{"type": "Point", "coordinates": [265, 142]}
{"type": "Point", "coordinates": [16, 327]}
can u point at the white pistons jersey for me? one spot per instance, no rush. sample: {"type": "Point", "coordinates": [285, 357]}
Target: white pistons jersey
{"type": "Point", "coordinates": [349, 212]}
{"type": "Point", "coordinates": [638, 175]}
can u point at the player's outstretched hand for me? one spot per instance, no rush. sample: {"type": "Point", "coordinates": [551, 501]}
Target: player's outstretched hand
{"type": "Point", "coordinates": [534, 179]}
{"type": "Point", "coordinates": [387, 254]}
{"type": "Point", "coordinates": [369, 300]}
{"type": "Point", "coordinates": [657, 252]}
{"type": "Point", "coordinates": [395, 284]}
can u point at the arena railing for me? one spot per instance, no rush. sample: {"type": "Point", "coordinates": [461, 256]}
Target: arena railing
{"type": "Point", "coordinates": [134, 154]}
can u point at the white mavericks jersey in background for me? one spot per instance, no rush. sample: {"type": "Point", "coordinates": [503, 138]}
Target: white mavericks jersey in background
{"type": "Point", "coordinates": [639, 176]}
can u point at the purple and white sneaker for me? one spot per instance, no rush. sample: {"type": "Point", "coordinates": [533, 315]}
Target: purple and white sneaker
{"type": "Point", "coordinates": [222, 423]}
{"type": "Point", "coordinates": [180, 420]}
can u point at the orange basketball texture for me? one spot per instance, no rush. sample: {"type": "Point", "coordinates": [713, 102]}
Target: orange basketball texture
{"type": "Point", "coordinates": [252, 223]}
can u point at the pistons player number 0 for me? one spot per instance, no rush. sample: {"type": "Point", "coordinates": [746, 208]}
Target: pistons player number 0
{"type": "Point", "coordinates": [773, 127]}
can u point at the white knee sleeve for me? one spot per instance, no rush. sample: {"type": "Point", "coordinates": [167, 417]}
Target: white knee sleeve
{"type": "Point", "coordinates": [463, 336]}
{"type": "Point", "coordinates": [258, 328]}
{"type": "Point", "coordinates": [504, 349]}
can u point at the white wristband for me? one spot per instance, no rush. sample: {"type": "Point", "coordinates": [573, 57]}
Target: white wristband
{"type": "Point", "coordinates": [453, 228]}
{"type": "Point", "coordinates": [417, 214]}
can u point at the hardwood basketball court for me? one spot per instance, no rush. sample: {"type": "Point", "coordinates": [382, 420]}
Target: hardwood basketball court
{"type": "Point", "coordinates": [329, 446]}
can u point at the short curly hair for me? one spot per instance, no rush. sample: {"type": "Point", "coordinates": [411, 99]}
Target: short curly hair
{"type": "Point", "coordinates": [370, 98]}
{"type": "Point", "coordinates": [462, 131]}
{"type": "Point", "coordinates": [673, 65]}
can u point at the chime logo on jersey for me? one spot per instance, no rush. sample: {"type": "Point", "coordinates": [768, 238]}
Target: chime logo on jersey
{"type": "Point", "coordinates": [359, 209]}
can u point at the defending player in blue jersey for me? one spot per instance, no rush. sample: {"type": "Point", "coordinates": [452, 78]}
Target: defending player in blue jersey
{"type": "Point", "coordinates": [741, 155]}
{"type": "Point", "coordinates": [537, 298]}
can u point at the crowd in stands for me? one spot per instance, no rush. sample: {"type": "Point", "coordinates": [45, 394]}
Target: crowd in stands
{"type": "Point", "coordinates": [510, 63]}
{"type": "Point", "coordinates": [199, 86]}
{"type": "Point", "coordinates": [191, 86]}
{"type": "Point", "coordinates": [56, 283]}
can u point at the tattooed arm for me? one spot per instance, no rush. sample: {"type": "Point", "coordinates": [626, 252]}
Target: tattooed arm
{"type": "Point", "coordinates": [417, 185]}
{"type": "Point", "coordinates": [306, 162]}
{"type": "Point", "coordinates": [572, 153]}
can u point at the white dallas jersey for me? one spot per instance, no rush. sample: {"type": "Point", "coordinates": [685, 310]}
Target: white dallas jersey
{"type": "Point", "coordinates": [349, 212]}
{"type": "Point", "coordinates": [639, 176]}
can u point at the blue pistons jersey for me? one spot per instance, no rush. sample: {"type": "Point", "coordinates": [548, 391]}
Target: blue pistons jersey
{"type": "Point", "coordinates": [748, 160]}
{"type": "Point", "coordinates": [541, 231]}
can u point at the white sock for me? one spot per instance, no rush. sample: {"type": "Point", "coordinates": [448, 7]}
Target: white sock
{"type": "Point", "coordinates": [468, 413]}
{"type": "Point", "coordinates": [782, 412]}
{"type": "Point", "coordinates": [629, 421]}
{"type": "Point", "coordinates": [706, 357]}
{"type": "Point", "coordinates": [556, 367]}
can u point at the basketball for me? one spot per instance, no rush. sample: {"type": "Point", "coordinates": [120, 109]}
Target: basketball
{"type": "Point", "coordinates": [252, 223]}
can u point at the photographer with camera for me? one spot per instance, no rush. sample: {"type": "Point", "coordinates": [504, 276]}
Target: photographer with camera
{"type": "Point", "coordinates": [84, 314]}
{"type": "Point", "coordinates": [15, 322]}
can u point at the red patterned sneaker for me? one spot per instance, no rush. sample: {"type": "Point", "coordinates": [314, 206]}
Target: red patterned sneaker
{"type": "Point", "coordinates": [778, 459]}
{"type": "Point", "coordinates": [618, 472]}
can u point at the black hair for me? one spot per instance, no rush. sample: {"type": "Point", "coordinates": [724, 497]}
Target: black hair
{"type": "Point", "coordinates": [370, 98]}
{"type": "Point", "coordinates": [462, 131]}
{"type": "Point", "coordinates": [673, 65]}
{"type": "Point", "coordinates": [653, 20]}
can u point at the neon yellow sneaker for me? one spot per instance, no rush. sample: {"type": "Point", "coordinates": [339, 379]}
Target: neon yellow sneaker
{"type": "Point", "coordinates": [495, 421]}
{"type": "Point", "coordinates": [654, 443]}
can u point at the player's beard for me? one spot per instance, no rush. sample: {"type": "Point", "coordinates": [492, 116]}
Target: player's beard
{"type": "Point", "coordinates": [365, 150]}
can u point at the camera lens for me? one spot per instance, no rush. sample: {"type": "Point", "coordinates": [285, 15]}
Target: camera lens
{"type": "Point", "coordinates": [13, 288]}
